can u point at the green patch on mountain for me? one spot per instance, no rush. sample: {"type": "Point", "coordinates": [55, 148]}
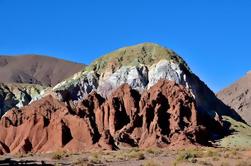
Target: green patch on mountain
{"type": "Point", "coordinates": [146, 53]}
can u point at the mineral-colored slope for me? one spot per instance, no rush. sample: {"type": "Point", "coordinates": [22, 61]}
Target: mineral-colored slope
{"type": "Point", "coordinates": [164, 116]}
{"type": "Point", "coordinates": [36, 69]}
{"type": "Point", "coordinates": [238, 97]}
{"type": "Point", "coordinates": [18, 95]}
{"type": "Point", "coordinates": [140, 66]}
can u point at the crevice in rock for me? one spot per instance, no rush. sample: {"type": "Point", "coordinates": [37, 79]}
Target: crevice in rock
{"type": "Point", "coordinates": [66, 134]}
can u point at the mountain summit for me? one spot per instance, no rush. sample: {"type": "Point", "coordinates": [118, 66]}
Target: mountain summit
{"type": "Point", "coordinates": [145, 53]}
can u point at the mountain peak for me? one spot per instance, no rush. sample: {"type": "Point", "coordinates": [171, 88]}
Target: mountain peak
{"type": "Point", "coordinates": [146, 44]}
{"type": "Point", "coordinates": [140, 54]}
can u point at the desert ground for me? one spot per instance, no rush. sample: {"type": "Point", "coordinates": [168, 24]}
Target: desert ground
{"type": "Point", "coordinates": [137, 157]}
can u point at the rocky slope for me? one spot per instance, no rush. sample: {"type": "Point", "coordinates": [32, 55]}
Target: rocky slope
{"type": "Point", "coordinates": [164, 116]}
{"type": "Point", "coordinates": [238, 97]}
{"type": "Point", "coordinates": [18, 95]}
{"type": "Point", "coordinates": [141, 66]}
{"type": "Point", "coordinates": [36, 69]}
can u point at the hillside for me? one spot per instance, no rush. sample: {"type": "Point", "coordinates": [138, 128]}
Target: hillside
{"type": "Point", "coordinates": [238, 96]}
{"type": "Point", "coordinates": [36, 69]}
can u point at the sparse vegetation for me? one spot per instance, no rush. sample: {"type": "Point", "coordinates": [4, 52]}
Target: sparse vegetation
{"type": "Point", "coordinates": [195, 155]}
{"type": "Point", "coordinates": [81, 162]}
{"type": "Point", "coordinates": [19, 155]}
{"type": "Point", "coordinates": [95, 158]}
{"type": "Point", "coordinates": [151, 163]}
{"type": "Point", "coordinates": [215, 159]}
{"type": "Point", "coordinates": [58, 155]}
{"type": "Point", "coordinates": [136, 154]}
{"type": "Point", "coordinates": [243, 163]}
{"type": "Point", "coordinates": [154, 151]}
{"type": "Point", "coordinates": [189, 155]}
{"type": "Point", "coordinates": [146, 53]}
{"type": "Point", "coordinates": [224, 164]}
{"type": "Point", "coordinates": [206, 156]}
{"type": "Point", "coordinates": [205, 163]}
{"type": "Point", "coordinates": [211, 153]}
{"type": "Point", "coordinates": [131, 154]}
{"type": "Point", "coordinates": [240, 138]}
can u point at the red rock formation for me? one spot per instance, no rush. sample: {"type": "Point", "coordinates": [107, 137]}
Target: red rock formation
{"type": "Point", "coordinates": [163, 116]}
{"type": "Point", "coordinates": [47, 125]}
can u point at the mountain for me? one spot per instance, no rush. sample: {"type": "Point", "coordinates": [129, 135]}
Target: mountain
{"type": "Point", "coordinates": [238, 97]}
{"type": "Point", "coordinates": [138, 96]}
{"type": "Point", "coordinates": [36, 69]}
{"type": "Point", "coordinates": [140, 66]}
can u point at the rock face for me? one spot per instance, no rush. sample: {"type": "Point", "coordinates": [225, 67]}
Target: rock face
{"type": "Point", "coordinates": [165, 115]}
{"type": "Point", "coordinates": [18, 95]}
{"type": "Point", "coordinates": [141, 66]}
{"type": "Point", "coordinates": [35, 69]}
{"type": "Point", "coordinates": [238, 97]}
{"type": "Point", "coordinates": [48, 125]}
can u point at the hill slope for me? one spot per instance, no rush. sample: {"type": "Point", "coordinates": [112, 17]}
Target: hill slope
{"type": "Point", "coordinates": [36, 69]}
{"type": "Point", "coordinates": [238, 96]}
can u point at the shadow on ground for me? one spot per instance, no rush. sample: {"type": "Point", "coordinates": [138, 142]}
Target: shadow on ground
{"type": "Point", "coordinates": [9, 161]}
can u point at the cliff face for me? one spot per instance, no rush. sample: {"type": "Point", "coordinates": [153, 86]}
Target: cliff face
{"type": "Point", "coordinates": [164, 116]}
{"type": "Point", "coordinates": [238, 97]}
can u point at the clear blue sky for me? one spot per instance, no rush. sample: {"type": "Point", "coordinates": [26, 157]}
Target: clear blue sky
{"type": "Point", "coordinates": [213, 36]}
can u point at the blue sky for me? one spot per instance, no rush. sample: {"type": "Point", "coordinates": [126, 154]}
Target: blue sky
{"type": "Point", "coordinates": [213, 36]}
